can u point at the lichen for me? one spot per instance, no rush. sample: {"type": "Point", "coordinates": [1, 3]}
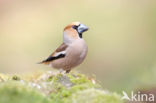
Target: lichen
{"type": "Point", "coordinates": [51, 87]}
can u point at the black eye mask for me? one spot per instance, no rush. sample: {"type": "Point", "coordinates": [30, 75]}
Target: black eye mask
{"type": "Point", "coordinates": [76, 28]}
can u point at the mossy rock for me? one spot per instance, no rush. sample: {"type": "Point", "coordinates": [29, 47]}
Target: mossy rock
{"type": "Point", "coordinates": [15, 92]}
{"type": "Point", "coordinates": [50, 87]}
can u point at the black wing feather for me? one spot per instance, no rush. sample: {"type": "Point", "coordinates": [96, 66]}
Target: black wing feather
{"type": "Point", "coordinates": [51, 58]}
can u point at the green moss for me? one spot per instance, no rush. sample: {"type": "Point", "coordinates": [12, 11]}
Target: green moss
{"type": "Point", "coordinates": [15, 77]}
{"type": "Point", "coordinates": [95, 96]}
{"type": "Point", "coordinates": [51, 87]}
{"type": "Point", "coordinates": [81, 83]}
{"type": "Point", "coordinates": [3, 77]}
{"type": "Point", "coordinates": [15, 92]}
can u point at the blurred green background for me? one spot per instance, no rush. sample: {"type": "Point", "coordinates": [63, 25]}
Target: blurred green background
{"type": "Point", "coordinates": [121, 39]}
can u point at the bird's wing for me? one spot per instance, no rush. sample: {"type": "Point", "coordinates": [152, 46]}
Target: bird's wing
{"type": "Point", "coordinates": [60, 52]}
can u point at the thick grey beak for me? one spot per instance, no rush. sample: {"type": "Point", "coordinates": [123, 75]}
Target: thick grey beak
{"type": "Point", "coordinates": [82, 28]}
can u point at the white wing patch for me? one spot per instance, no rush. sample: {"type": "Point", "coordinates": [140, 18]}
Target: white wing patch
{"type": "Point", "coordinates": [58, 53]}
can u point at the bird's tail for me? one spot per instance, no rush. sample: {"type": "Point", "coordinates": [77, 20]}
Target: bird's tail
{"type": "Point", "coordinates": [43, 62]}
{"type": "Point", "coordinates": [40, 62]}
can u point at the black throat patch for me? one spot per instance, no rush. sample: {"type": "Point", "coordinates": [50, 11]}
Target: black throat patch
{"type": "Point", "coordinates": [76, 28]}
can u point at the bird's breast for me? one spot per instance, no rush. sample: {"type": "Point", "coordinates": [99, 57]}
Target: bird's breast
{"type": "Point", "coordinates": [75, 54]}
{"type": "Point", "coordinates": [77, 51]}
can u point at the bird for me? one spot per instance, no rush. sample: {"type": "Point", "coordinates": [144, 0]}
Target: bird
{"type": "Point", "coordinates": [72, 51]}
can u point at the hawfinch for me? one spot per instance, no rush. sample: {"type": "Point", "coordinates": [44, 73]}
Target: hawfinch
{"type": "Point", "coordinates": [72, 51]}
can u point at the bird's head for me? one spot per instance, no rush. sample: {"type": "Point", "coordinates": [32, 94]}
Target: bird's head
{"type": "Point", "coordinates": [74, 30]}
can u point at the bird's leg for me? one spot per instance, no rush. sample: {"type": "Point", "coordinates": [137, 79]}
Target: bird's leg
{"type": "Point", "coordinates": [67, 71]}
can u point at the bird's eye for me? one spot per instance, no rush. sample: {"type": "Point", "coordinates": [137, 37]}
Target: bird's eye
{"type": "Point", "coordinates": [75, 26]}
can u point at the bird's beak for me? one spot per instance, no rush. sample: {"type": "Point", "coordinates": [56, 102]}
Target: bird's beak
{"type": "Point", "coordinates": [82, 28]}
